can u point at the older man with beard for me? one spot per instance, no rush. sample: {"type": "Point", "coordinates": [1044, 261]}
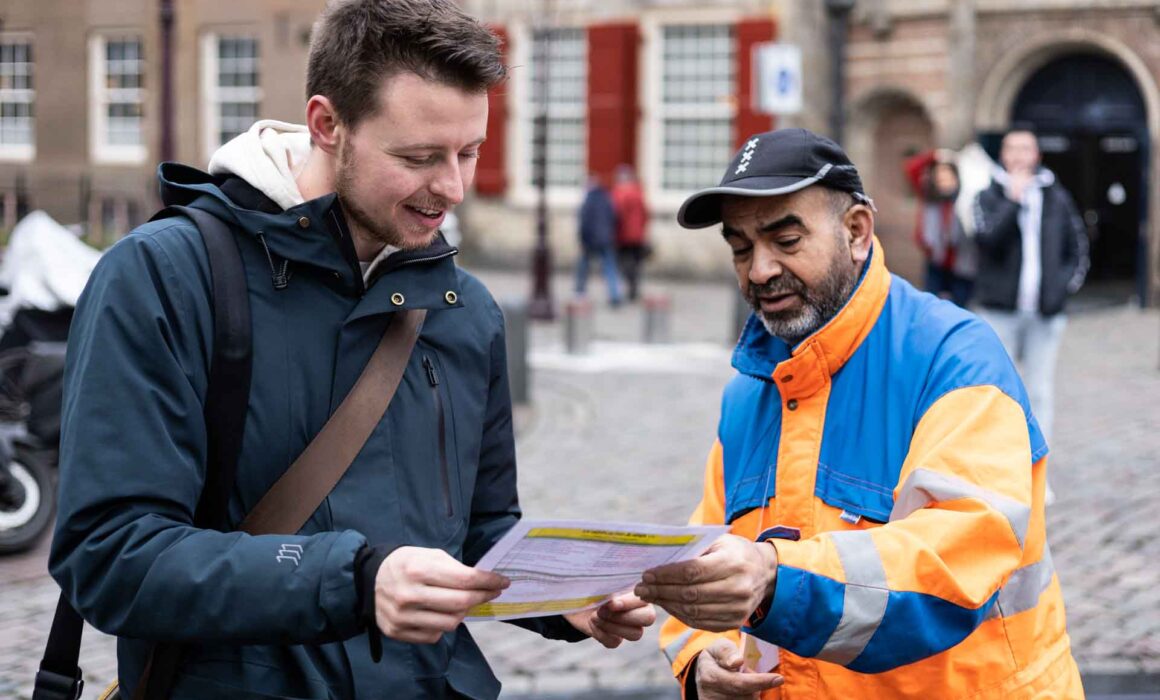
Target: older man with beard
{"type": "Point", "coordinates": [877, 462]}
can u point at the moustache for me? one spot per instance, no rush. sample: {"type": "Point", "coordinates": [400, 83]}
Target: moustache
{"type": "Point", "coordinates": [439, 204]}
{"type": "Point", "coordinates": [785, 283]}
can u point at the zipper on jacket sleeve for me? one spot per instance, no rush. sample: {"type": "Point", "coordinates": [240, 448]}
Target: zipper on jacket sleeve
{"type": "Point", "coordinates": [445, 475]}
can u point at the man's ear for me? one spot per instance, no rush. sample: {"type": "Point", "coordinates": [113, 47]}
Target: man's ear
{"type": "Point", "coordinates": [326, 130]}
{"type": "Point", "coordinates": [859, 225]}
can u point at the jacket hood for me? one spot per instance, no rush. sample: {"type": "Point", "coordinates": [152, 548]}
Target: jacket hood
{"type": "Point", "coordinates": [269, 156]}
{"type": "Point", "coordinates": [297, 234]}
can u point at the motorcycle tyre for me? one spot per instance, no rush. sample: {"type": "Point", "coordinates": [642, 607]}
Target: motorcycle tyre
{"type": "Point", "coordinates": [39, 475]}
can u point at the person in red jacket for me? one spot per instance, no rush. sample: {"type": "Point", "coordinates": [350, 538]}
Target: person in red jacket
{"type": "Point", "coordinates": [950, 258]}
{"type": "Point", "coordinates": [631, 224]}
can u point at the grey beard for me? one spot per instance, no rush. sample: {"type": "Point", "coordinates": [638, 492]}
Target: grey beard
{"type": "Point", "coordinates": [819, 305]}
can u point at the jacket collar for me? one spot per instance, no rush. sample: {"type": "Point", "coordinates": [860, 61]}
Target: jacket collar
{"type": "Point", "coordinates": [300, 234]}
{"type": "Point", "coordinates": [820, 355]}
{"type": "Point", "coordinates": [313, 233]}
{"type": "Point", "coordinates": [1043, 178]}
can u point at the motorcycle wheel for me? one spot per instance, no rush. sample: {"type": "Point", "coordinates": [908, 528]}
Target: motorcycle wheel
{"type": "Point", "coordinates": [23, 521]}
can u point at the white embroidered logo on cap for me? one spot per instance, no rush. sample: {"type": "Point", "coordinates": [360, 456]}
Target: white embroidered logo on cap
{"type": "Point", "coordinates": [746, 156]}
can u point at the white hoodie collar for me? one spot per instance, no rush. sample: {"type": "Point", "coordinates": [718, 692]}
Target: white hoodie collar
{"type": "Point", "coordinates": [269, 157]}
{"type": "Point", "coordinates": [1043, 177]}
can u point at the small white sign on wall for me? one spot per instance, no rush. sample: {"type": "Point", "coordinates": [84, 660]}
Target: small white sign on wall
{"type": "Point", "coordinates": [777, 72]}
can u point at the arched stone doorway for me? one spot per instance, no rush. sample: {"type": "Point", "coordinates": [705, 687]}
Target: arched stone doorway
{"type": "Point", "coordinates": [886, 128]}
{"type": "Point", "coordinates": [1066, 51]}
{"type": "Point", "coordinates": [1093, 130]}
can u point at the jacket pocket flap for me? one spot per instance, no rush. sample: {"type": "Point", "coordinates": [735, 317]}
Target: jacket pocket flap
{"type": "Point", "coordinates": [749, 493]}
{"type": "Point", "coordinates": [858, 496]}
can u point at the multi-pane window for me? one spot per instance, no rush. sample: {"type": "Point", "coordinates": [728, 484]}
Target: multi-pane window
{"type": "Point", "coordinates": [238, 93]}
{"type": "Point", "coordinates": [567, 94]}
{"type": "Point", "coordinates": [232, 86]}
{"type": "Point", "coordinates": [118, 91]}
{"type": "Point", "coordinates": [124, 71]}
{"type": "Point", "coordinates": [17, 135]}
{"type": "Point", "coordinates": [697, 86]}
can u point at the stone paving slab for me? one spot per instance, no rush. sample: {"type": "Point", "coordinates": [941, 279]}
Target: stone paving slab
{"type": "Point", "coordinates": [605, 440]}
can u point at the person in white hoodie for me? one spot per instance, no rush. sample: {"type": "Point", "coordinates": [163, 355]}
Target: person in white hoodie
{"type": "Point", "coordinates": [337, 223]}
{"type": "Point", "coordinates": [1032, 256]}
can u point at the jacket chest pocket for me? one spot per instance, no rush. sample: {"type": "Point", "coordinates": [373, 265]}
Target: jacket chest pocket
{"type": "Point", "coordinates": [443, 437]}
{"type": "Point", "coordinates": [858, 499]}
{"type": "Point", "coordinates": [427, 456]}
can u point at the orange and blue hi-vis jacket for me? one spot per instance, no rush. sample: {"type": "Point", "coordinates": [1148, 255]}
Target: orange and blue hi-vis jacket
{"type": "Point", "coordinates": [894, 454]}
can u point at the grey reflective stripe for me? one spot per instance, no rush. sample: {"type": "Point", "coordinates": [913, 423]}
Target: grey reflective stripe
{"type": "Point", "coordinates": [864, 603]}
{"type": "Point", "coordinates": [674, 649]}
{"type": "Point", "coordinates": [1024, 588]}
{"type": "Point", "coordinates": [924, 486]}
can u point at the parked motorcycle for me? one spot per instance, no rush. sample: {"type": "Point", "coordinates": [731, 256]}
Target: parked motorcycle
{"type": "Point", "coordinates": [42, 274]}
{"type": "Point", "coordinates": [31, 378]}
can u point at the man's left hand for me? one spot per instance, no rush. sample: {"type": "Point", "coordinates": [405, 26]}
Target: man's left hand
{"type": "Point", "coordinates": [718, 590]}
{"type": "Point", "coordinates": [623, 617]}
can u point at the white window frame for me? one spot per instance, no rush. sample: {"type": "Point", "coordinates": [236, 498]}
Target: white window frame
{"type": "Point", "coordinates": [522, 106]}
{"type": "Point", "coordinates": [100, 97]}
{"type": "Point", "coordinates": [21, 152]}
{"type": "Point", "coordinates": [654, 110]}
{"type": "Point", "coordinates": [213, 95]}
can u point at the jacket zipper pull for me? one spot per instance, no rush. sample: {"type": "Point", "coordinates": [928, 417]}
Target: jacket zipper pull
{"type": "Point", "coordinates": [432, 377]}
{"type": "Point", "coordinates": [280, 277]}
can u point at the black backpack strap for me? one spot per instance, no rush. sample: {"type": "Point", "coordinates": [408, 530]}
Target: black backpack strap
{"type": "Point", "coordinates": [228, 393]}
{"type": "Point", "coordinates": [227, 397]}
{"type": "Point", "coordinates": [59, 677]}
{"type": "Point", "coordinates": [226, 400]}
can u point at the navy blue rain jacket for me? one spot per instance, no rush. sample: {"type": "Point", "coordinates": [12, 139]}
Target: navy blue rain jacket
{"type": "Point", "coordinates": [597, 219]}
{"type": "Point", "coordinates": [276, 616]}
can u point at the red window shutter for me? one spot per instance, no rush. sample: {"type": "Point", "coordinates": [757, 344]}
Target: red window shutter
{"type": "Point", "coordinates": [490, 171]}
{"type": "Point", "coordinates": [749, 122]}
{"type": "Point", "coordinates": [612, 96]}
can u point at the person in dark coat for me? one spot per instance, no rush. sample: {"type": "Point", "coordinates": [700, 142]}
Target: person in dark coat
{"type": "Point", "coordinates": [338, 226]}
{"type": "Point", "coordinates": [1032, 257]}
{"type": "Point", "coordinates": [596, 223]}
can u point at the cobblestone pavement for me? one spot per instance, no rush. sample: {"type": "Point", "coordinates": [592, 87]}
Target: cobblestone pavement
{"type": "Point", "coordinates": [622, 434]}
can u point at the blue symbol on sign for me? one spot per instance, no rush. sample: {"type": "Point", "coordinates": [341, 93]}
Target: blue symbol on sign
{"type": "Point", "coordinates": [784, 81]}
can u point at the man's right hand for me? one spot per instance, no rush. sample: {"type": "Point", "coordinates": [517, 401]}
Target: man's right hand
{"type": "Point", "coordinates": [1017, 183]}
{"type": "Point", "coordinates": [422, 593]}
{"type": "Point", "coordinates": [720, 674]}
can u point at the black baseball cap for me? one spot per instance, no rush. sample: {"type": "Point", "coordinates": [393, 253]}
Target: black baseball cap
{"type": "Point", "coordinates": [773, 163]}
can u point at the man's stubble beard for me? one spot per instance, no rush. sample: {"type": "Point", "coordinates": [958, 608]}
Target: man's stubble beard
{"type": "Point", "coordinates": [344, 187]}
{"type": "Point", "coordinates": [819, 305]}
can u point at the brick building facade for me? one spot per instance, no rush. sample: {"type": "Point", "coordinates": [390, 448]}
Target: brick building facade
{"type": "Point", "coordinates": [925, 73]}
{"type": "Point", "coordinates": [919, 74]}
{"type": "Point", "coordinates": [80, 86]}
{"type": "Point", "coordinates": [664, 86]}
{"type": "Point", "coordinates": [666, 89]}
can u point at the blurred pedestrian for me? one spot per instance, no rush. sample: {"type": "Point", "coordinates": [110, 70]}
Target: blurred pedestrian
{"type": "Point", "coordinates": [337, 222]}
{"type": "Point", "coordinates": [596, 224]}
{"type": "Point", "coordinates": [938, 231]}
{"type": "Point", "coordinates": [631, 227]}
{"type": "Point", "coordinates": [877, 464]}
{"type": "Point", "coordinates": [1032, 257]}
